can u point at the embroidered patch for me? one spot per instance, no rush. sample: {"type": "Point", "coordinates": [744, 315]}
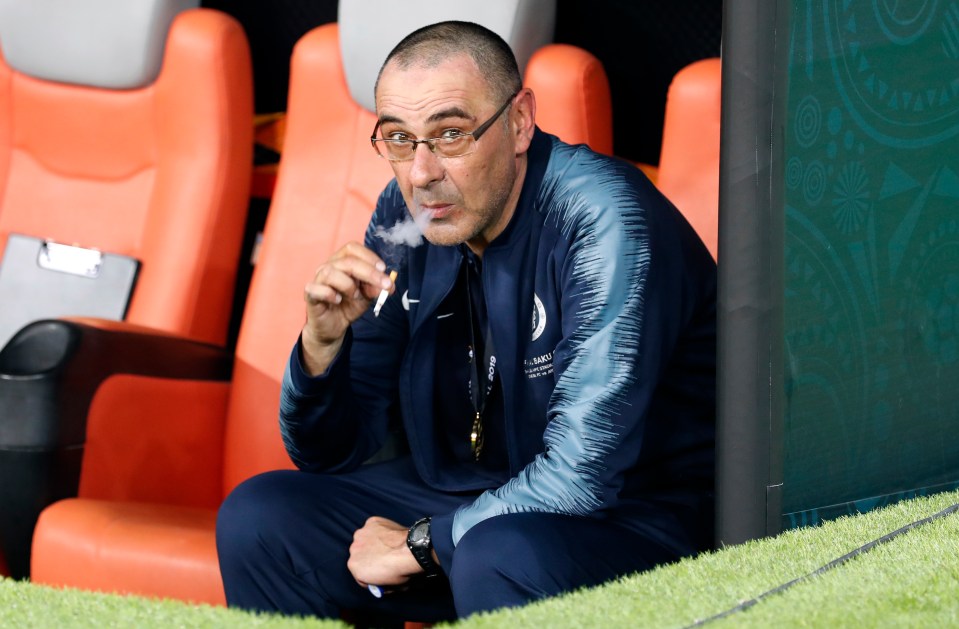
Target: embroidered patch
{"type": "Point", "coordinates": [539, 317]}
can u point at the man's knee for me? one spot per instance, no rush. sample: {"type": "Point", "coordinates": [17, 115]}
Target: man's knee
{"type": "Point", "coordinates": [497, 545]}
{"type": "Point", "coordinates": [253, 509]}
{"type": "Point", "coordinates": [503, 561]}
{"type": "Point", "coordinates": [267, 547]}
{"type": "Point", "coordinates": [513, 559]}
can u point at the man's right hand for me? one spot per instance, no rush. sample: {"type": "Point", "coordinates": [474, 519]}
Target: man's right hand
{"type": "Point", "coordinates": [339, 294]}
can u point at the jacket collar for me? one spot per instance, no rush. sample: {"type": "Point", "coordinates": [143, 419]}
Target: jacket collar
{"type": "Point", "coordinates": [537, 158]}
{"type": "Point", "coordinates": [442, 264]}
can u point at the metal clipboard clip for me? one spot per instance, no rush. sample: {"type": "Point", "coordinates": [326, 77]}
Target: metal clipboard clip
{"type": "Point", "coordinates": [69, 259]}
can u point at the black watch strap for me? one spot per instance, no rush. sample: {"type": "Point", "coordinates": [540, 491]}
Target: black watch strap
{"type": "Point", "coordinates": [420, 543]}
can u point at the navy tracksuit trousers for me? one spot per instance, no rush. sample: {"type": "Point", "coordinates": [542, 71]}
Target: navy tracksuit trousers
{"type": "Point", "coordinates": [283, 541]}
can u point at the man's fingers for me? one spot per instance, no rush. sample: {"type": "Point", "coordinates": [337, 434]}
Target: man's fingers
{"type": "Point", "coordinates": [362, 262]}
{"type": "Point", "coordinates": [333, 285]}
{"type": "Point", "coordinates": [316, 294]}
{"type": "Point", "coordinates": [356, 250]}
{"type": "Point", "coordinates": [350, 274]}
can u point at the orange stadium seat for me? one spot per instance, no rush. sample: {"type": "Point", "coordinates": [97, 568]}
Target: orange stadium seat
{"type": "Point", "coordinates": [688, 171]}
{"type": "Point", "coordinates": [157, 169]}
{"type": "Point", "coordinates": [161, 453]}
{"type": "Point", "coordinates": [124, 128]}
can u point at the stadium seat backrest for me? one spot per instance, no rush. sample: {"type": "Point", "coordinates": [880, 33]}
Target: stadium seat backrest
{"type": "Point", "coordinates": [370, 28]}
{"type": "Point", "coordinates": [689, 162]}
{"type": "Point", "coordinates": [127, 127]}
{"type": "Point", "coordinates": [330, 178]}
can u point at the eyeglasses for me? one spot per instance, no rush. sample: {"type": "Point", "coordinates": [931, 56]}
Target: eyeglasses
{"type": "Point", "coordinates": [452, 143]}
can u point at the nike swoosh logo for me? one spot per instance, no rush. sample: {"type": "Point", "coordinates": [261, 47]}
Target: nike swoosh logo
{"type": "Point", "coordinates": [445, 316]}
{"type": "Point", "coordinates": [406, 301]}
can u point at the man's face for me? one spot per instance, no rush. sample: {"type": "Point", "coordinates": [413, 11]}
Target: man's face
{"type": "Point", "coordinates": [454, 199]}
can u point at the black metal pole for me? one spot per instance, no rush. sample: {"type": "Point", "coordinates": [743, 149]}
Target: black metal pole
{"type": "Point", "coordinates": [749, 439]}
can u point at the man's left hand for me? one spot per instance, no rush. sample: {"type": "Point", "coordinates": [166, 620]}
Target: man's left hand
{"type": "Point", "coordinates": [379, 554]}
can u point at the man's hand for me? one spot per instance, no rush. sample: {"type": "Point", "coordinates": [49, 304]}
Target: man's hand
{"type": "Point", "coordinates": [379, 555]}
{"type": "Point", "coordinates": [339, 294]}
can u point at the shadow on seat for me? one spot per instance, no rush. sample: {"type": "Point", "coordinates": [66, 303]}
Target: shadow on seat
{"type": "Point", "coordinates": [153, 477]}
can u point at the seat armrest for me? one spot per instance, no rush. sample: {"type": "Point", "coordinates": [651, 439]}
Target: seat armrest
{"type": "Point", "coordinates": [49, 374]}
{"type": "Point", "coordinates": [50, 370]}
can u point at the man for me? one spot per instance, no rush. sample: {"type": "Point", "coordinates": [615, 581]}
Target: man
{"type": "Point", "coordinates": [549, 354]}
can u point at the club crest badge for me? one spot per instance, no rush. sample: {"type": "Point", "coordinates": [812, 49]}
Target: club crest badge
{"type": "Point", "coordinates": [539, 317]}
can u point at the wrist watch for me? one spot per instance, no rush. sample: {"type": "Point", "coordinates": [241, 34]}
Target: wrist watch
{"type": "Point", "coordinates": [420, 543]}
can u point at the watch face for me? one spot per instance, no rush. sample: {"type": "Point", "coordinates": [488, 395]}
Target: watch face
{"type": "Point", "coordinates": [419, 534]}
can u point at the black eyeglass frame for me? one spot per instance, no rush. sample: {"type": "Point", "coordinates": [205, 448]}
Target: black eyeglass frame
{"type": "Point", "coordinates": [432, 142]}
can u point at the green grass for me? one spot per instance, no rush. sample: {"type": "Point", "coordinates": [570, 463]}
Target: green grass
{"type": "Point", "coordinates": [911, 581]}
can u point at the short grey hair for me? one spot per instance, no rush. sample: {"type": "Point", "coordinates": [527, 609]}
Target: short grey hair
{"type": "Point", "coordinates": [433, 44]}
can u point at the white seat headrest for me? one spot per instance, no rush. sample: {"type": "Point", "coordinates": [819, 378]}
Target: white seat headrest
{"type": "Point", "coordinates": [369, 29]}
{"type": "Point", "coordinates": [115, 44]}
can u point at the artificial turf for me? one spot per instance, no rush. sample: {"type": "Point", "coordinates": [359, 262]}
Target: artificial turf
{"type": "Point", "coordinates": [909, 581]}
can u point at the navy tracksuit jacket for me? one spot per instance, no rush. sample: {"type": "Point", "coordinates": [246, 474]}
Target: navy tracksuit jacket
{"type": "Point", "coordinates": [601, 302]}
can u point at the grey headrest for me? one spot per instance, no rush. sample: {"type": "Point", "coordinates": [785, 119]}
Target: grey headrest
{"type": "Point", "coordinates": [115, 44]}
{"type": "Point", "coordinates": [369, 29]}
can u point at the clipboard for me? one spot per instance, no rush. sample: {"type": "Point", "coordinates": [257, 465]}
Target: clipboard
{"type": "Point", "coordinates": [42, 279]}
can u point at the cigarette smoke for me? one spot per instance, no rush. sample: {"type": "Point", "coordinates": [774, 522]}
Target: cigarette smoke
{"type": "Point", "coordinates": [405, 233]}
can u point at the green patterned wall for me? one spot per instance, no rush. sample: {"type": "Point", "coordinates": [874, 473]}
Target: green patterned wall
{"type": "Point", "coordinates": [871, 266]}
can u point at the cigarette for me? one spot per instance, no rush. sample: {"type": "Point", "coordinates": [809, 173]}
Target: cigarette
{"type": "Point", "coordinates": [375, 590]}
{"type": "Point", "coordinates": [383, 295]}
